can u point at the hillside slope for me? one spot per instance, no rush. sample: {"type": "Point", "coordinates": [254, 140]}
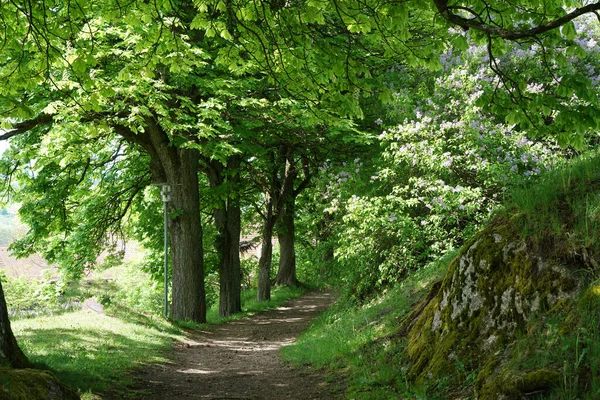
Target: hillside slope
{"type": "Point", "coordinates": [516, 314]}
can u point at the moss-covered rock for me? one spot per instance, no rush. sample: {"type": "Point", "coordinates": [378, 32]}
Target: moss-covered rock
{"type": "Point", "coordinates": [509, 384]}
{"type": "Point", "coordinates": [32, 384]}
{"type": "Point", "coordinates": [492, 288]}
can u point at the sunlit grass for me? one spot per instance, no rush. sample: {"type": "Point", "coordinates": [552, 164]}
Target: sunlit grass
{"type": "Point", "coordinates": [355, 342]}
{"type": "Point", "coordinates": [93, 352]}
{"type": "Point", "coordinates": [96, 353]}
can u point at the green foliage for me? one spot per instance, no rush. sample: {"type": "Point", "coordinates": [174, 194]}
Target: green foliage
{"type": "Point", "coordinates": [74, 196]}
{"type": "Point", "coordinates": [31, 297]}
{"type": "Point", "coordinates": [443, 169]}
{"type": "Point", "coordinates": [130, 290]}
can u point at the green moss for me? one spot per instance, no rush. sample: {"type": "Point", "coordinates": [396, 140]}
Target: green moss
{"type": "Point", "coordinates": [32, 384]}
{"type": "Point", "coordinates": [494, 286]}
{"type": "Point", "coordinates": [513, 384]}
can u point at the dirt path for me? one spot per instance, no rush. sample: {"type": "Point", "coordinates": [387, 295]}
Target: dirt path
{"type": "Point", "coordinates": [240, 360]}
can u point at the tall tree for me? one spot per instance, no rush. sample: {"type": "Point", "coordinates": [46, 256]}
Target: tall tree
{"type": "Point", "coordinates": [225, 178]}
{"type": "Point", "coordinates": [86, 74]}
{"type": "Point", "coordinates": [286, 231]}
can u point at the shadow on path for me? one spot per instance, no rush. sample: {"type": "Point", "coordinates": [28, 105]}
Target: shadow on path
{"type": "Point", "coordinates": [240, 360]}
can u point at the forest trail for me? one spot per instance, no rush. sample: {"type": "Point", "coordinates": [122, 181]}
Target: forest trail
{"type": "Point", "coordinates": [240, 359]}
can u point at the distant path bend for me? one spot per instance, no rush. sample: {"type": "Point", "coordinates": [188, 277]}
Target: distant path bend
{"type": "Point", "coordinates": [240, 360]}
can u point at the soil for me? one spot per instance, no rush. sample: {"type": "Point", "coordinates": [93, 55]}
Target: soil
{"type": "Point", "coordinates": [240, 359]}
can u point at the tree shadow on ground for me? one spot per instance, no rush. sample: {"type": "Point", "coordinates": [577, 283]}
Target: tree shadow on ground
{"type": "Point", "coordinates": [91, 361]}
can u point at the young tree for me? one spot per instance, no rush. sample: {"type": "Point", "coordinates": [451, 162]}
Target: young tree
{"type": "Point", "coordinates": [277, 185]}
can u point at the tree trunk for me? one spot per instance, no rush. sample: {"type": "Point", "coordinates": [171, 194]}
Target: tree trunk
{"type": "Point", "coordinates": [10, 353]}
{"type": "Point", "coordinates": [227, 221]}
{"type": "Point", "coordinates": [228, 224]}
{"type": "Point", "coordinates": [266, 254]}
{"type": "Point", "coordinates": [323, 235]}
{"type": "Point", "coordinates": [185, 228]}
{"type": "Point", "coordinates": [286, 274]}
{"type": "Point", "coordinates": [178, 167]}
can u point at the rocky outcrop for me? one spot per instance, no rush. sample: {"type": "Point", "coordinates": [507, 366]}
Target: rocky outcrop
{"type": "Point", "coordinates": [32, 384]}
{"type": "Point", "coordinates": [496, 284]}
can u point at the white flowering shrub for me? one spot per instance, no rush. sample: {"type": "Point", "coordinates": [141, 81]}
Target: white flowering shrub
{"type": "Point", "coordinates": [445, 168]}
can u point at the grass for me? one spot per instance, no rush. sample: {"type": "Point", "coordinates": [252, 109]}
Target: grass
{"type": "Point", "coordinates": [564, 205]}
{"type": "Point", "coordinates": [96, 353]}
{"type": "Point", "coordinates": [93, 352]}
{"type": "Point", "coordinates": [359, 343]}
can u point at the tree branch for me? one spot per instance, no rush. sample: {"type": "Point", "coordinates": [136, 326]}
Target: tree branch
{"type": "Point", "coordinates": [477, 24]}
{"type": "Point", "coordinates": [306, 181]}
{"type": "Point", "coordinates": [27, 125]}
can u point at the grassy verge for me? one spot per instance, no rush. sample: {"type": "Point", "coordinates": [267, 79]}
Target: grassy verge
{"type": "Point", "coordinates": [93, 352]}
{"type": "Point", "coordinates": [356, 343]}
{"type": "Point", "coordinates": [96, 352]}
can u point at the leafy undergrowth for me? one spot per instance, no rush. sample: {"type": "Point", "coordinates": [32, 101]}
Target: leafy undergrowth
{"type": "Point", "coordinates": [360, 344]}
{"type": "Point", "coordinates": [96, 352]}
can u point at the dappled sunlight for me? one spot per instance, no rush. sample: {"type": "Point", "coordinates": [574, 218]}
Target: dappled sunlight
{"type": "Point", "coordinates": [278, 321]}
{"type": "Point", "coordinates": [240, 359]}
{"type": "Point", "coordinates": [251, 373]}
{"type": "Point", "coordinates": [198, 371]}
{"type": "Point", "coordinates": [85, 347]}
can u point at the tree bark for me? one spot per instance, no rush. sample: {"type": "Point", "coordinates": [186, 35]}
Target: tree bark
{"type": "Point", "coordinates": [266, 254]}
{"type": "Point", "coordinates": [286, 274]}
{"type": "Point", "coordinates": [323, 235]}
{"type": "Point", "coordinates": [228, 223]}
{"type": "Point", "coordinates": [10, 353]}
{"type": "Point", "coordinates": [178, 167]}
{"type": "Point", "coordinates": [185, 228]}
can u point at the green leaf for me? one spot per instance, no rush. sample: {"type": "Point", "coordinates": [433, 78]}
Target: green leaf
{"type": "Point", "coordinates": [459, 42]}
{"type": "Point", "coordinates": [79, 65]}
{"type": "Point", "coordinates": [568, 30]}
